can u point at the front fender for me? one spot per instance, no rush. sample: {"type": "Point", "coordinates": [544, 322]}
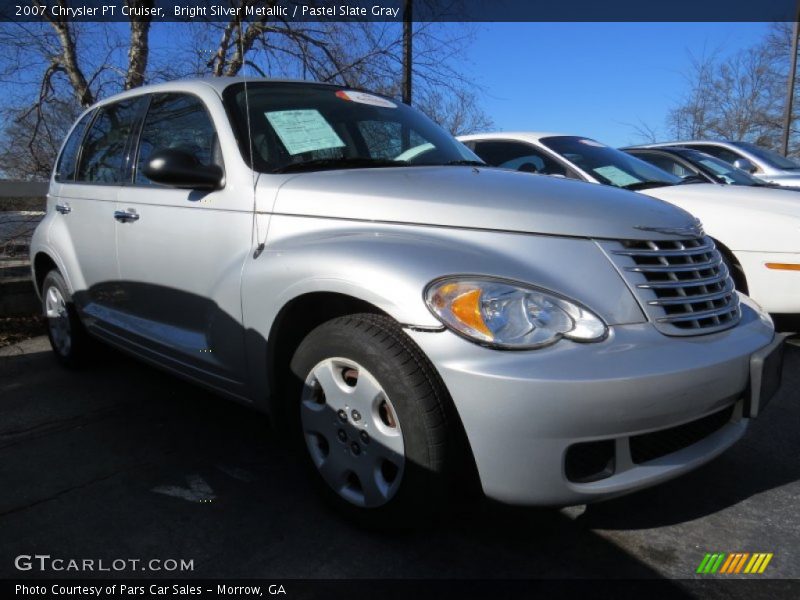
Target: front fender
{"type": "Point", "coordinates": [389, 266]}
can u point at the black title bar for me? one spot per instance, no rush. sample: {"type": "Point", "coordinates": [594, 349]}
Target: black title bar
{"type": "Point", "coordinates": [189, 11]}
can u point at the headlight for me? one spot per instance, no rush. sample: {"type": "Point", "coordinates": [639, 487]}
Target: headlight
{"type": "Point", "coordinates": [505, 314]}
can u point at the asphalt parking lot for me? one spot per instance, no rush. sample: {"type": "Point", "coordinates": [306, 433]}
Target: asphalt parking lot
{"type": "Point", "coordinates": [121, 460]}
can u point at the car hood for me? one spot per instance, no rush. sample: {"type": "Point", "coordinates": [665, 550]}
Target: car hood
{"type": "Point", "coordinates": [742, 217]}
{"type": "Point", "coordinates": [482, 198]}
{"type": "Point", "coordinates": [726, 197]}
{"type": "Point", "coordinates": [789, 179]}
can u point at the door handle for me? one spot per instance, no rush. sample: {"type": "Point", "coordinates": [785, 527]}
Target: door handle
{"type": "Point", "coordinates": [126, 216]}
{"type": "Point", "coordinates": [63, 208]}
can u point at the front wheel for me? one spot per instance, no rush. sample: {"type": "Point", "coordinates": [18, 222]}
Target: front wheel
{"type": "Point", "coordinates": [374, 419]}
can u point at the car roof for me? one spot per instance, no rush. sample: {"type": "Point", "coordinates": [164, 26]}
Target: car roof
{"type": "Point", "coordinates": [218, 84]}
{"type": "Point", "coordinates": [667, 149]}
{"type": "Point", "coordinates": [521, 136]}
{"type": "Point", "coordinates": [684, 142]}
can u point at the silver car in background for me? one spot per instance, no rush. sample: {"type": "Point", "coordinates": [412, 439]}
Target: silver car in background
{"type": "Point", "coordinates": [408, 315]}
{"type": "Point", "coordinates": [760, 162]}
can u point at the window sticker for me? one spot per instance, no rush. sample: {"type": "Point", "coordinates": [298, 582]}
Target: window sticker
{"type": "Point", "coordinates": [616, 176]}
{"type": "Point", "coordinates": [364, 98]}
{"type": "Point", "coordinates": [303, 130]}
{"type": "Point", "coordinates": [593, 143]}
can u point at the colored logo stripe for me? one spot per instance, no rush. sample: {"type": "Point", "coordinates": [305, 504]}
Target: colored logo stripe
{"type": "Point", "coordinates": [735, 562]}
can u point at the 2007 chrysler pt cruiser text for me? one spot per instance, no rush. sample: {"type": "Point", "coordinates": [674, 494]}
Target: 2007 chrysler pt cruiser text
{"type": "Point", "coordinates": [335, 259]}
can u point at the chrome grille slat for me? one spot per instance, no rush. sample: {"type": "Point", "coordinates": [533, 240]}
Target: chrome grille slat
{"type": "Point", "coordinates": [692, 299]}
{"type": "Point", "coordinates": [684, 252]}
{"type": "Point", "coordinates": [683, 285]}
{"type": "Point", "coordinates": [709, 264]}
{"type": "Point", "coordinates": [697, 315]}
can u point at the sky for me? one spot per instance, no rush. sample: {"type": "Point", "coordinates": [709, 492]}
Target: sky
{"type": "Point", "coordinates": [593, 79]}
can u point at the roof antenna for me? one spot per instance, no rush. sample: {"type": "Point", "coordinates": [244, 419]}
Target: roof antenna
{"type": "Point", "coordinates": [260, 248]}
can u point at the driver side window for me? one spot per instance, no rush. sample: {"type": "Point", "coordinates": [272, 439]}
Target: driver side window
{"type": "Point", "coordinates": [177, 121]}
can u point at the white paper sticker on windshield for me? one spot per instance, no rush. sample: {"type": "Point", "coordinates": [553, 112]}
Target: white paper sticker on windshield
{"type": "Point", "coordinates": [364, 98]}
{"type": "Point", "coordinates": [592, 143]}
{"type": "Point", "coordinates": [616, 176]}
{"type": "Point", "coordinates": [303, 130]}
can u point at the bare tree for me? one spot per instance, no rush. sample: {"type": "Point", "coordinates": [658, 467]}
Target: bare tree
{"type": "Point", "coordinates": [644, 132]}
{"type": "Point", "coordinates": [356, 54]}
{"type": "Point", "coordinates": [75, 64]}
{"type": "Point", "coordinates": [456, 111]}
{"type": "Point", "coordinates": [739, 97]}
{"type": "Point", "coordinates": [31, 139]}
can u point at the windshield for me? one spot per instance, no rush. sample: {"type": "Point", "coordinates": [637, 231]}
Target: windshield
{"type": "Point", "coordinates": [609, 165]}
{"type": "Point", "coordinates": [768, 156]}
{"type": "Point", "coordinates": [302, 126]}
{"type": "Point", "coordinates": [720, 169]}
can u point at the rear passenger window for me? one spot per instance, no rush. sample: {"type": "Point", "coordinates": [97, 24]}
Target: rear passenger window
{"type": "Point", "coordinates": [65, 170]}
{"type": "Point", "coordinates": [177, 121]}
{"type": "Point", "coordinates": [105, 148]}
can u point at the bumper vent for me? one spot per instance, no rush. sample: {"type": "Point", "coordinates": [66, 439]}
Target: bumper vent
{"type": "Point", "coordinates": [650, 446]}
{"type": "Point", "coordinates": [590, 461]}
{"type": "Point", "coordinates": [683, 285]}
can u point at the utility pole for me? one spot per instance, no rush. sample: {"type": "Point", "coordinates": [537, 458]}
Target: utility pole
{"type": "Point", "coordinates": [787, 117]}
{"type": "Point", "coordinates": [407, 50]}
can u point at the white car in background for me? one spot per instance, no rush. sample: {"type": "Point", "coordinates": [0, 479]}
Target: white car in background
{"type": "Point", "coordinates": [757, 230]}
{"type": "Point", "coordinates": [759, 162]}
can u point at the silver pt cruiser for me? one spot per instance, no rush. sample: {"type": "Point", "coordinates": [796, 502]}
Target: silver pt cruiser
{"type": "Point", "coordinates": [335, 259]}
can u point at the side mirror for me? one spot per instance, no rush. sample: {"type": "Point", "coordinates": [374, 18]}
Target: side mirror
{"type": "Point", "coordinates": [745, 165]}
{"type": "Point", "coordinates": [181, 169]}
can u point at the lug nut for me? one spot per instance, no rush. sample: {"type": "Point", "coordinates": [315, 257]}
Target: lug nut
{"type": "Point", "coordinates": [364, 437]}
{"type": "Point", "coordinates": [355, 448]}
{"type": "Point", "coordinates": [342, 435]}
{"type": "Point", "coordinates": [342, 415]}
{"type": "Point", "coordinates": [356, 415]}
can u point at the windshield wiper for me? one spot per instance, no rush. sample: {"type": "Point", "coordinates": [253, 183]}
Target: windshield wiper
{"type": "Point", "coordinates": [643, 185]}
{"type": "Point", "coordinates": [339, 163]}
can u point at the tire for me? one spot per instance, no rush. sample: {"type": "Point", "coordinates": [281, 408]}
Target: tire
{"type": "Point", "coordinates": [68, 337]}
{"type": "Point", "coordinates": [372, 414]}
{"type": "Point", "coordinates": [736, 272]}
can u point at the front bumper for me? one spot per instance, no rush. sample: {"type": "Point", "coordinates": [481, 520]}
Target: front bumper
{"type": "Point", "coordinates": [522, 411]}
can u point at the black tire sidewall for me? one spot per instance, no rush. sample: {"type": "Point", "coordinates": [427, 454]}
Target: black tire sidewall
{"type": "Point", "coordinates": [418, 408]}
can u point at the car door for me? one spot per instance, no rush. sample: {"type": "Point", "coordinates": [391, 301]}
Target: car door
{"type": "Point", "coordinates": [181, 252]}
{"type": "Point", "coordinates": [91, 171]}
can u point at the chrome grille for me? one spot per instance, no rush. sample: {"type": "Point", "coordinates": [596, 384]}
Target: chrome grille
{"type": "Point", "coordinates": [683, 285]}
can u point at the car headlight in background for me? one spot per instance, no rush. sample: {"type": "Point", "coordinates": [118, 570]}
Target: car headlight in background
{"type": "Point", "coordinates": [505, 314]}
